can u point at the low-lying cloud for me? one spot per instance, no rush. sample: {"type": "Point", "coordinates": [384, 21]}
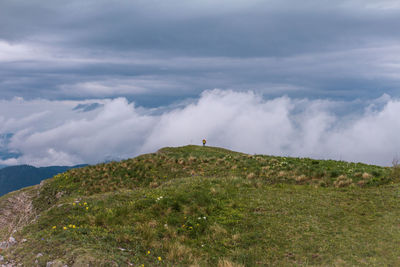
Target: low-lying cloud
{"type": "Point", "coordinates": [56, 133]}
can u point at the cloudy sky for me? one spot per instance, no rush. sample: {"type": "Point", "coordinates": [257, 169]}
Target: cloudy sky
{"type": "Point", "coordinates": [88, 81]}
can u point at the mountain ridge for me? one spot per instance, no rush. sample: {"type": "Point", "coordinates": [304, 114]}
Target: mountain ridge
{"type": "Point", "coordinates": [16, 177]}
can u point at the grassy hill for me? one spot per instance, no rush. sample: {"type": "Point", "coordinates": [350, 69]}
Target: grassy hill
{"type": "Point", "coordinates": [206, 206]}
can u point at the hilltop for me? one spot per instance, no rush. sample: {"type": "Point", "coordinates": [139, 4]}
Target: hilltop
{"type": "Point", "coordinates": [206, 206]}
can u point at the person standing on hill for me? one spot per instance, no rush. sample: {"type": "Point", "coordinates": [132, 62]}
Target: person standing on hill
{"type": "Point", "coordinates": [204, 142]}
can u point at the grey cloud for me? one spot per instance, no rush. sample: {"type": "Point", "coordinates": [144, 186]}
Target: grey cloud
{"type": "Point", "coordinates": [258, 28]}
{"type": "Point", "coordinates": [88, 107]}
{"type": "Point", "coordinates": [158, 52]}
{"type": "Point", "coordinates": [365, 72]}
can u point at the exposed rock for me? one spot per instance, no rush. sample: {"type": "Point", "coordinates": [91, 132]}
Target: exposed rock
{"type": "Point", "coordinates": [3, 245]}
{"type": "Point", "coordinates": [6, 244]}
{"type": "Point", "coordinates": [16, 212]}
{"type": "Point", "coordinates": [86, 260]}
{"type": "Point", "coordinates": [59, 194]}
{"type": "Point", "coordinates": [11, 241]}
{"type": "Point", "coordinates": [56, 263]}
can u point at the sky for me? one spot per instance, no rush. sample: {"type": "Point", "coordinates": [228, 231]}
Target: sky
{"type": "Point", "coordinates": [95, 80]}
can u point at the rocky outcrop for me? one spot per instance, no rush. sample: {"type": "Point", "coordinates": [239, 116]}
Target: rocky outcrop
{"type": "Point", "coordinates": [16, 211]}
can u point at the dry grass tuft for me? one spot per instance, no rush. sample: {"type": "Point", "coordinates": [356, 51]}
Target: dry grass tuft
{"type": "Point", "coordinates": [227, 263]}
{"type": "Point", "coordinates": [273, 161]}
{"type": "Point", "coordinates": [192, 159]}
{"type": "Point", "coordinates": [152, 224]}
{"type": "Point", "coordinates": [343, 181]}
{"type": "Point", "coordinates": [361, 183]}
{"type": "Point", "coordinates": [366, 175]}
{"type": "Point", "coordinates": [251, 175]}
{"type": "Point", "coordinates": [265, 168]}
{"type": "Point", "coordinates": [301, 178]}
{"type": "Point", "coordinates": [358, 174]}
{"type": "Point", "coordinates": [220, 160]}
{"type": "Point", "coordinates": [236, 237]}
{"type": "Point", "coordinates": [154, 185]}
{"type": "Point", "coordinates": [179, 252]}
{"type": "Point", "coordinates": [281, 174]}
{"type": "Point", "coordinates": [218, 230]}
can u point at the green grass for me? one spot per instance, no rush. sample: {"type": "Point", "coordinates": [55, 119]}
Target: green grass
{"type": "Point", "coordinates": [210, 206]}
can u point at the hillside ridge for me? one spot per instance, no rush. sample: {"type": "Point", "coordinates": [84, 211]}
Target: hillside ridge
{"type": "Point", "coordinates": [195, 205]}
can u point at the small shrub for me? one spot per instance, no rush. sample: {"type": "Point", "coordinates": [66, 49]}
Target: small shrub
{"type": "Point", "coordinates": [376, 173]}
{"type": "Point", "coordinates": [396, 168]}
{"type": "Point", "coordinates": [334, 174]}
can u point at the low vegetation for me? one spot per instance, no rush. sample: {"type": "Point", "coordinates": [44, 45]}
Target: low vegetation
{"type": "Point", "coordinates": [205, 206]}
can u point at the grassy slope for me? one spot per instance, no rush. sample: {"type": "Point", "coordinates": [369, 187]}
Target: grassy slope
{"type": "Point", "coordinates": [209, 206]}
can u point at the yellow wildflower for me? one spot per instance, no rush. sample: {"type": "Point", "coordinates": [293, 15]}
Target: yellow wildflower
{"type": "Point", "coordinates": [54, 227]}
{"type": "Point", "coordinates": [159, 258]}
{"type": "Point", "coordinates": [85, 204]}
{"type": "Point", "coordinates": [148, 252]}
{"type": "Point", "coordinates": [65, 228]}
{"type": "Point", "coordinates": [73, 226]}
{"type": "Point", "coordinates": [87, 208]}
{"type": "Point", "coordinates": [73, 204]}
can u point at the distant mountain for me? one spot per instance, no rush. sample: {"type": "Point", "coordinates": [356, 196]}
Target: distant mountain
{"type": "Point", "coordinates": [16, 177]}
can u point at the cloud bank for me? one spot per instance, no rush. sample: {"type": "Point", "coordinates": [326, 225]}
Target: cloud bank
{"type": "Point", "coordinates": [45, 132]}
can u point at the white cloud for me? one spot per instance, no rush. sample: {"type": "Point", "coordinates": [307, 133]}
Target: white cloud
{"type": "Point", "coordinates": [55, 134]}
